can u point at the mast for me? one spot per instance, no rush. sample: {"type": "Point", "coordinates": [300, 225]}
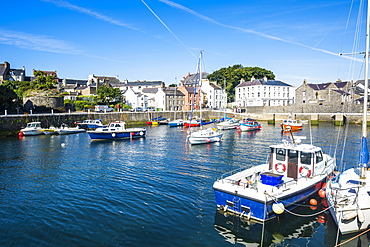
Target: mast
{"type": "Point", "coordinates": [200, 84]}
{"type": "Point", "coordinates": [364, 153]}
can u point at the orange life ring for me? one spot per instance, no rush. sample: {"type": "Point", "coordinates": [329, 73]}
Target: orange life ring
{"type": "Point", "coordinates": [304, 171]}
{"type": "Point", "coordinates": [280, 168]}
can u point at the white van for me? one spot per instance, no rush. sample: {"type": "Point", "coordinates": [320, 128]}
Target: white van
{"type": "Point", "coordinates": [103, 108]}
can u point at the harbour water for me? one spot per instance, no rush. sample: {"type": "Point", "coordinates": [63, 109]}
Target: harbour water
{"type": "Point", "coordinates": [155, 191]}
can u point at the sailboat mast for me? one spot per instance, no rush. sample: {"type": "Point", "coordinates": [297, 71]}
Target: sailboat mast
{"type": "Point", "coordinates": [200, 84]}
{"type": "Point", "coordinates": [366, 84]}
{"type": "Point", "coordinates": [364, 153]}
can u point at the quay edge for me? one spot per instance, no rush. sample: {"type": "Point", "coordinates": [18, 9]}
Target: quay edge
{"type": "Point", "coordinates": [11, 124]}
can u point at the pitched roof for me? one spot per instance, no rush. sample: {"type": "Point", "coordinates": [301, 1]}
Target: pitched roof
{"type": "Point", "coordinates": [263, 83]}
{"type": "Point", "coordinates": [150, 90]}
{"type": "Point", "coordinates": [170, 91]}
{"type": "Point", "coordinates": [190, 79]}
{"type": "Point", "coordinates": [321, 86]}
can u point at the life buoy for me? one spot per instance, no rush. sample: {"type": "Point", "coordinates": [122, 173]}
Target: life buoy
{"type": "Point", "coordinates": [280, 168]}
{"type": "Point", "coordinates": [304, 171]}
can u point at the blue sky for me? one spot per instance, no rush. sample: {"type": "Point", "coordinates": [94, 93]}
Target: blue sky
{"type": "Point", "coordinates": [161, 39]}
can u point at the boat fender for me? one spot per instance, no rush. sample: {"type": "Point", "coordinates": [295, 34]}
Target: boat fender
{"type": "Point", "coordinates": [361, 216]}
{"type": "Point", "coordinates": [280, 168]}
{"type": "Point", "coordinates": [113, 134]}
{"type": "Point", "coordinates": [304, 171]}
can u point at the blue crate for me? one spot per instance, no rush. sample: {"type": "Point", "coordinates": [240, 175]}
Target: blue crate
{"type": "Point", "coordinates": [271, 179]}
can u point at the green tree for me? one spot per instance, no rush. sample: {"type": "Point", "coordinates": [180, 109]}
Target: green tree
{"type": "Point", "coordinates": [43, 81]}
{"type": "Point", "coordinates": [108, 94]}
{"type": "Point", "coordinates": [8, 98]}
{"type": "Point", "coordinates": [232, 75]}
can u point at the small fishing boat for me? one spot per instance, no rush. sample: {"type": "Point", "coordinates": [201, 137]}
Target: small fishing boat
{"type": "Point", "coordinates": [293, 174]}
{"type": "Point", "coordinates": [91, 124]}
{"type": "Point", "coordinates": [196, 123]}
{"type": "Point", "coordinates": [291, 124]}
{"type": "Point", "coordinates": [65, 130]}
{"type": "Point", "coordinates": [175, 123]}
{"type": "Point", "coordinates": [116, 130]}
{"type": "Point", "coordinates": [249, 125]}
{"type": "Point", "coordinates": [32, 129]}
{"type": "Point", "coordinates": [228, 124]}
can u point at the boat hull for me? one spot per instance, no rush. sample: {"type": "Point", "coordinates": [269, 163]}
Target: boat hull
{"type": "Point", "coordinates": [262, 210]}
{"type": "Point", "coordinates": [128, 134]}
{"type": "Point", "coordinates": [34, 132]}
{"type": "Point", "coordinates": [287, 127]}
{"type": "Point", "coordinates": [249, 128]}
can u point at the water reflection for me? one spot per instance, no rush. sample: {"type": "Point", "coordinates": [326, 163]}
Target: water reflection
{"type": "Point", "coordinates": [285, 230]}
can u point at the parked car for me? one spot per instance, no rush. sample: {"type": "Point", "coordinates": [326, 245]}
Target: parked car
{"type": "Point", "coordinates": [137, 109]}
{"type": "Point", "coordinates": [103, 108]}
{"type": "Point", "coordinates": [150, 108]}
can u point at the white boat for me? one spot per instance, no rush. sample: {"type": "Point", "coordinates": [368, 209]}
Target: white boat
{"type": "Point", "coordinates": [228, 124]}
{"type": "Point", "coordinates": [205, 136]}
{"type": "Point", "coordinates": [293, 174]}
{"type": "Point", "coordinates": [348, 194]}
{"type": "Point", "coordinates": [32, 129]}
{"type": "Point", "coordinates": [202, 136]}
{"type": "Point", "coordinates": [116, 130]}
{"type": "Point", "coordinates": [65, 130]}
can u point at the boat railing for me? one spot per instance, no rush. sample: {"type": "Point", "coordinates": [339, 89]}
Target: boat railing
{"type": "Point", "coordinates": [227, 174]}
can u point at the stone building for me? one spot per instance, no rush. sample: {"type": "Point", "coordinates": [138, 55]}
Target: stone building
{"type": "Point", "coordinates": [6, 73]}
{"type": "Point", "coordinates": [330, 92]}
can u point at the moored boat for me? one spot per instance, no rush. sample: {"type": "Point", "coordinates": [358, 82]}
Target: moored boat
{"type": "Point", "coordinates": [49, 131]}
{"type": "Point", "coordinates": [228, 124]}
{"type": "Point", "coordinates": [116, 130]}
{"type": "Point", "coordinates": [175, 123]}
{"type": "Point", "coordinates": [291, 124]}
{"type": "Point", "coordinates": [65, 130]}
{"type": "Point", "coordinates": [203, 136]}
{"type": "Point", "coordinates": [32, 129]}
{"type": "Point", "coordinates": [348, 194]}
{"type": "Point", "coordinates": [249, 125]}
{"type": "Point", "coordinates": [91, 124]}
{"type": "Point", "coordinates": [293, 173]}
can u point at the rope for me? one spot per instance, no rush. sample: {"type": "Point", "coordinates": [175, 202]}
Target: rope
{"type": "Point", "coordinates": [352, 238]}
{"type": "Point", "coordinates": [300, 215]}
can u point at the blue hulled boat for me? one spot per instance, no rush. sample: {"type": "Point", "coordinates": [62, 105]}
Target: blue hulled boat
{"type": "Point", "coordinates": [293, 174]}
{"type": "Point", "coordinates": [116, 130]}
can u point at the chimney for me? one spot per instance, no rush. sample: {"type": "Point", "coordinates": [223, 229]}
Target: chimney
{"type": "Point", "coordinates": [265, 78]}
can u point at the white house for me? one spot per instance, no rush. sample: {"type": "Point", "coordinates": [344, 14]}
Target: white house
{"type": "Point", "coordinates": [263, 92]}
{"type": "Point", "coordinates": [215, 96]}
{"type": "Point", "coordinates": [135, 99]}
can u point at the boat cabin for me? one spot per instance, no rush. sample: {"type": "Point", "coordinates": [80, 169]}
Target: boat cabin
{"type": "Point", "coordinates": [295, 161]}
{"type": "Point", "coordinates": [290, 121]}
{"type": "Point", "coordinates": [34, 125]}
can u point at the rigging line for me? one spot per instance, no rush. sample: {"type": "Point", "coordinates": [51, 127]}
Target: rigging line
{"type": "Point", "coordinates": [352, 238]}
{"type": "Point", "coordinates": [159, 19]}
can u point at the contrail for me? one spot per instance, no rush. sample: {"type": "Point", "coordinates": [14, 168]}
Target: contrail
{"type": "Point", "coordinates": [181, 7]}
{"type": "Point", "coordinates": [65, 4]}
{"type": "Point", "coordinates": [159, 19]}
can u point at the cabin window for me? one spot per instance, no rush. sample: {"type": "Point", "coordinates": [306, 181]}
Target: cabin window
{"type": "Point", "coordinates": [319, 157]}
{"type": "Point", "coordinates": [306, 158]}
{"type": "Point", "coordinates": [293, 156]}
{"type": "Point", "coordinates": [280, 154]}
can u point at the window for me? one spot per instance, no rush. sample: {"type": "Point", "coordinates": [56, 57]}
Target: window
{"type": "Point", "coordinates": [304, 93]}
{"type": "Point", "coordinates": [306, 158]}
{"type": "Point", "coordinates": [293, 156]}
{"type": "Point", "coordinates": [319, 157]}
{"type": "Point", "coordinates": [280, 154]}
